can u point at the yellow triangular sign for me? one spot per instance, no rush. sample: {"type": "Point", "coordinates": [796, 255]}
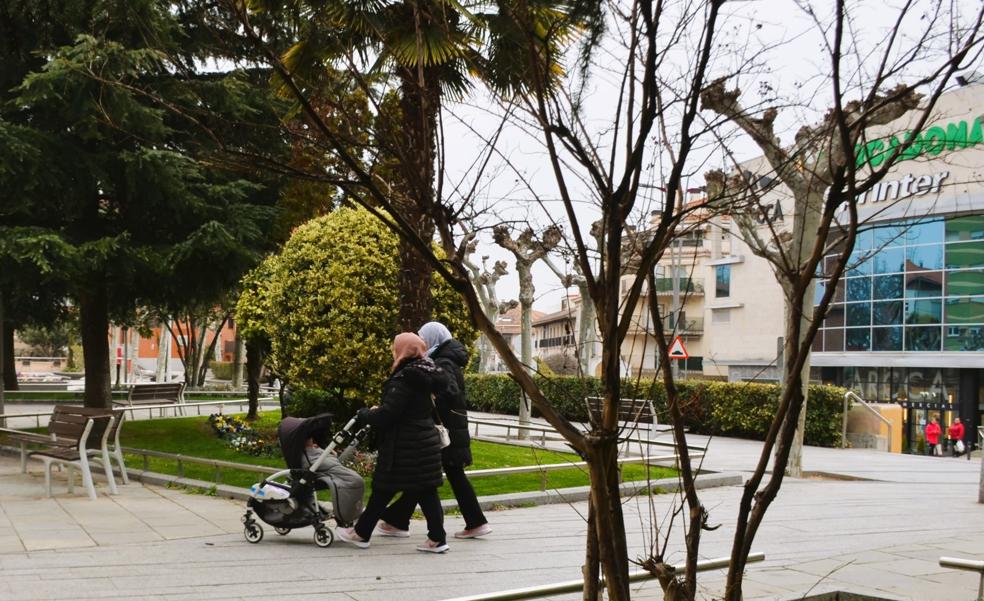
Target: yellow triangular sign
{"type": "Point", "coordinates": [677, 350]}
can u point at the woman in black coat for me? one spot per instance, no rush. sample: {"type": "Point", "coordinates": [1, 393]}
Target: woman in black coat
{"type": "Point", "coordinates": [451, 356]}
{"type": "Point", "coordinates": [409, 459]}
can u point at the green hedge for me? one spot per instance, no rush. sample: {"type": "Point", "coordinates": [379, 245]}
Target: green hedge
{"type": "Point", "coordinates": [222, 370]}
{"type": "Point", "coordinates": [743, 410]}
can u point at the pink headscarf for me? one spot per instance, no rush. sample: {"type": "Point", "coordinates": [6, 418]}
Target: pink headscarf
{"type": "Point", "coordinates": [407, 346]}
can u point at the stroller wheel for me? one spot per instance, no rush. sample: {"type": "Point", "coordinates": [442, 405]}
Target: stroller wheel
{"type": "Point", "coordinates": [253, 532]}
{"type": "Point", "coordinates": [282, 531]}
{"type": "Point", "coordinates": [323, 537]}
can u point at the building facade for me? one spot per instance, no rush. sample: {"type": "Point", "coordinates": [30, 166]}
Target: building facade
{"type": "Point", "coordinates": [907, 321]}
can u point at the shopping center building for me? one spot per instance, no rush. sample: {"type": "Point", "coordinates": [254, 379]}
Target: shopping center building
{"type": "Point", "coordinates": [907, 323]}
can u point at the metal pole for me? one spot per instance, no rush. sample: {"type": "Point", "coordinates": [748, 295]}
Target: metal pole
{"type": "Point", "coordinates": [573, 586]}
{"type": "Point", "coordinates": [969, 565]}
{"type": "Point", "coordinates": [3, 380]}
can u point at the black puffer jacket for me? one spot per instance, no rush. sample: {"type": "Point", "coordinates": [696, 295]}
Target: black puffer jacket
{"type": "Point", "coordinates": [452, 358]}
{"type": "Point", "coordinates": [409, 446]}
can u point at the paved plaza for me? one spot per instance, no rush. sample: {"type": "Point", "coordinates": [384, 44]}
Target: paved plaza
{"type": "Point", "coordinates": [882, 535]}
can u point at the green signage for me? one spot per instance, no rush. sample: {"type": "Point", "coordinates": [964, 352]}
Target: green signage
{"type": "Point", "coordinates": [931, 141]}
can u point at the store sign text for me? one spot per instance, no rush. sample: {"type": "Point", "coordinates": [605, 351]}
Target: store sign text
{"type": "Point", "coordinates": [932, 141]}
{"type": "Point", "coordinates": [908, 185]}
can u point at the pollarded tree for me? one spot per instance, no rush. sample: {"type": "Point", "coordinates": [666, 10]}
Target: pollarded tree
{"type": "Point", "coordinates": [328, 305]}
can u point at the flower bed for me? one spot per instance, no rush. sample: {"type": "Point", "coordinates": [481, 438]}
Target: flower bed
{"type": "Point", "coordinates": [241, 437]}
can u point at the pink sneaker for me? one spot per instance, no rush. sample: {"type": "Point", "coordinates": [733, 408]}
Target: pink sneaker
{"type": "Point", "coordinates": [384, 529]}
{"type": "Point", "coordinates": [475, 532]}
{"type": "Point", "coordinates": [348, 535]}
{"type": "Point", "coordinates": [430, 546]}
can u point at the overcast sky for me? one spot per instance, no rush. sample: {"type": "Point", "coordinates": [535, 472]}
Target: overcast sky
{"type": "Point", "coordinates": [789, 63]}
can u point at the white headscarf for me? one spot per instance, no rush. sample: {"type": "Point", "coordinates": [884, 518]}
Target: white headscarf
{"type": "Point", "coordinates": [434, 334]}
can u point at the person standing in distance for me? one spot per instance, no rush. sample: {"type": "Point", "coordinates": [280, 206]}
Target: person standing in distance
{"type": "Point", "coordinates": [956, 434]}
{"type": "Point", "coordinates": [933, 436]}
{"type": "Point", "coordinates": [451, 356]}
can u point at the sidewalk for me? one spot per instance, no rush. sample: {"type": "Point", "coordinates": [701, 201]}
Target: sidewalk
{"type": "Point", "coordinates": [883, 535]}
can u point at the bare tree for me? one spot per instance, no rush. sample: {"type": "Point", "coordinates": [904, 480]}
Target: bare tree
{"type": "Point", "coordinates": [820, 174]}
{"type": "Point", "coordinates": [587, 327]}
{"type": "Point", "coordinates": [527, 250]}
{"type": "Point", "coordinates": [485, 281]}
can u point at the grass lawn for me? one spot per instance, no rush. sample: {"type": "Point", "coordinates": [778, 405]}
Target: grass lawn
{"type": "Point", "coordinates": [194, 437]}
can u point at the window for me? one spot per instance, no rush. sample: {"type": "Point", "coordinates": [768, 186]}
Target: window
{"type": "Point", "coordinates": [722, 281]}
{"type": "Point", "coordinates": [910, 286]}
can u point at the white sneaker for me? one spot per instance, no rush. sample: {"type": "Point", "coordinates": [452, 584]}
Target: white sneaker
{"type": "Point", "coordinates": [384, 529]}
{"type": "Point", "coordinates": [430, 546]}
{"type": "Point", "coordinates": [348, 535]}
{"type": "Point", "coordinates": [475, 532]}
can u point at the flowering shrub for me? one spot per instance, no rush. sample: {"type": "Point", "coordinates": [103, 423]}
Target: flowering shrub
{"type": "Point", "coordinates": [363, 462]}
{"type": "Point", "coordinates": [240, 436]}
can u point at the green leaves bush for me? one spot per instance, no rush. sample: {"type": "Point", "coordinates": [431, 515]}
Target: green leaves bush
{"type": "Point", "coordinates": [742, 410]}
{"type": "Point", "coordinates": [326, 307]}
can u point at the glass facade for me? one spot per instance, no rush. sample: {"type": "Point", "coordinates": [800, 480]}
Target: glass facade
{"type": "Point", "coordinates": [909, 286]}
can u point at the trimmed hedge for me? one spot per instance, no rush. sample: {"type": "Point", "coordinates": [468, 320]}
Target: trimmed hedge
{"type": "Point", "coordinates": [742, 409]}
{"type": "Point", "coordinates": [221, 370]}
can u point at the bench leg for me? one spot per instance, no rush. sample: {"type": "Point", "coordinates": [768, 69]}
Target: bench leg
{"type": "Point", "coordinates": [23, 449]}
{"type": "Point", "coordinates": [71, 479]}
{"type": "Point", "coordinates": [87, 477]}
{"type": "Point", "coordinates": [47, 478]}
{"type": "Point", "coordinates": [118, 454]}
{"type": "Point", "coordinates": [108, 468]}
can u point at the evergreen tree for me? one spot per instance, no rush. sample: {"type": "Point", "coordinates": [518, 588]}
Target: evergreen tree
{"type": "Point", "coordinates": [120, 168]}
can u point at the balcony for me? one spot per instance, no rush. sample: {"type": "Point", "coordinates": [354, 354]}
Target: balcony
{"type": "Point", "coordinates": [688, 286]}
{"type": "Point", "coordinates": [685, 327]}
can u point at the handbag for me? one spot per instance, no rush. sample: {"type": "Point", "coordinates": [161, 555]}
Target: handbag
{"type": "Point", "coordinates": [442, 432]}
{"type": "Point", "coordinates": [960, 446]}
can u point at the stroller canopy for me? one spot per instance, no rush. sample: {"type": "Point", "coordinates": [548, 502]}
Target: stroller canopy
{"type": "Point", "coordinates": [293, 433]}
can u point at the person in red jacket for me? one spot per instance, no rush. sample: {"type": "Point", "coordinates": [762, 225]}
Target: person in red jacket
{"type": "Point", "coordinates": [956, 433]}
{"type": "Point", "coordinates": [933, 436]}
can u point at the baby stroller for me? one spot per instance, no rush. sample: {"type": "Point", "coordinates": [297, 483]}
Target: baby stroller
{"type": "Point", "coordinates": [293, 503]}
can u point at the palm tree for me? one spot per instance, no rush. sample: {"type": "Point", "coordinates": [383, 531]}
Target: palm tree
{"type": "Point", "coordinates": [433, 49]}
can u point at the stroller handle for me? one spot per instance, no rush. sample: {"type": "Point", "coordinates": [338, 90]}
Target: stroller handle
{"type": "Point", "coordinates": [342, 439]}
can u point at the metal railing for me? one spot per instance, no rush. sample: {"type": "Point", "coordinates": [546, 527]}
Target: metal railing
{"type": "Point", "coordinates": [575, 586]}
{"type": "Point", "coordinates": [242, 403]}
{"type": "Point", "coordinates": [219, 465]}
{"type": "Point", "coordinates": [181, 460]}
{"type": "Point", "coordinates": [969, 565]}
{"type": "Point", "coordinates": [848, 396]}
{"type": "Point", "coordinates": [544, 430]}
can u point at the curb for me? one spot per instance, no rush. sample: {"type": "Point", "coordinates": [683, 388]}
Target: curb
{"type": "Point", "coordinates": [492, 502]}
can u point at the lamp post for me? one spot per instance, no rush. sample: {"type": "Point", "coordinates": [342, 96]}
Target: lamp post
{"type": "Point", "coordinates": [3, 361]}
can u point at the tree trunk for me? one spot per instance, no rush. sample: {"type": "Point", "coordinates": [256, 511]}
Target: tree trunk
{"type": "Point", "coordinates": [592, 586]}
{"type": "Point", "coordinates": [254, 365]}
{"type": "Point", "coordinates": [237, 363]}
{"type": "Point", "coordinates": [420, 97]}
{"type": "Point", "coordinates": [526, 292]}
{"type": "Point", "coordinates": [586, 331]}
{"type": "Point", "coordinates": [415, 289]}
{"type": "Point", "coordinates": [806, 220]}
{"type": "Point", "coordinates": [94, 325]}
{"type": "Point", "coordinates": [609, 522]}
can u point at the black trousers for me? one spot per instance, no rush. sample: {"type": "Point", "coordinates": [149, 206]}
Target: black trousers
{"type": "Point", "coordinates": [398, 514]}
{"type": "Point", "coordinates": [430, 504]}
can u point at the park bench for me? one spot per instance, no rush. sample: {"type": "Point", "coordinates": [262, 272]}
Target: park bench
{"type": "Point", "coordinates": [152, 395]}
{"type": "Point", "coordinates": [634, 416]}
{"type": "Point", "coordinates": [74, 434]}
